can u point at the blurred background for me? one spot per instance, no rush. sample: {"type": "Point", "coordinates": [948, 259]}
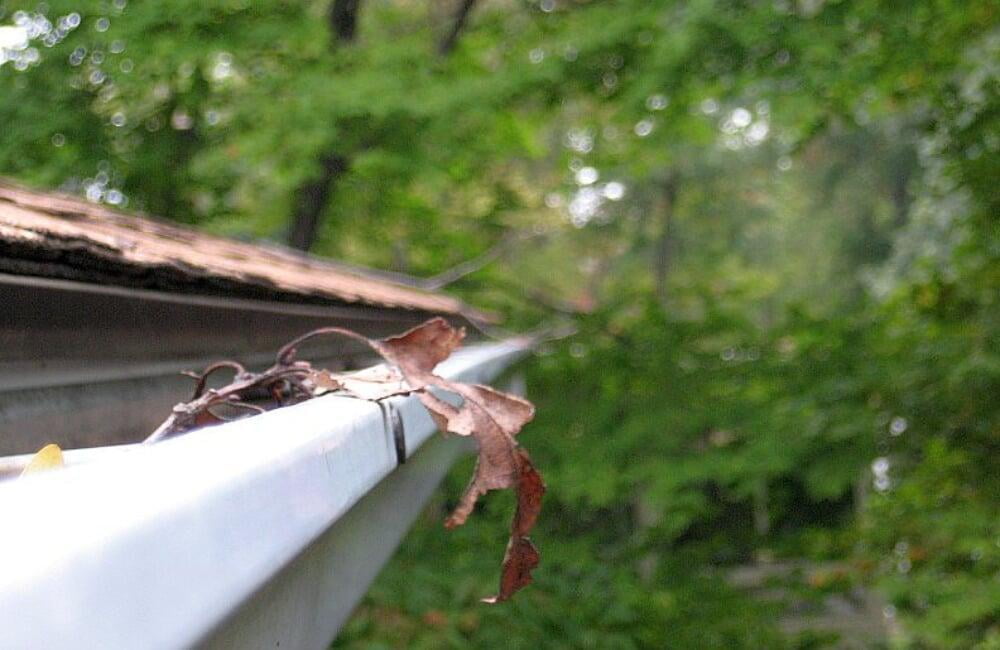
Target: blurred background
{"type": "Point", "coordinates": [770, 225]}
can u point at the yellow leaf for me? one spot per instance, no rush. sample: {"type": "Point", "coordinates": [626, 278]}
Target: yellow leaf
{"type": "Point", "coordinates": [48, 457]}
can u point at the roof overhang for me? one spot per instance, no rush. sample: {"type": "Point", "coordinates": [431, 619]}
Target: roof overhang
{"type": "Point", "coordinates": [47, 234]}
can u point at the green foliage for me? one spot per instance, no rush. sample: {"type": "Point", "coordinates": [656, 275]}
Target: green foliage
{"type": "Point", "coordinates": [773, 225]}
{"type": "Point", "coordinates": [585, 598]}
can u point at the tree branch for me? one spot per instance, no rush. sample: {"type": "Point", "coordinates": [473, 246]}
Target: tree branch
{"type": "Point", "coordinates": [458, 24]}
{"type": "Point", "coordinates": [312, 196]}
{"type": "Point", "coordinates": [495, 252]}
{"type": "Point", "coordinates": [344, 20]}
{"type": "Point", "coordinates": [664, 243]}
{"type": "Point", "coordinates": [310, 200]}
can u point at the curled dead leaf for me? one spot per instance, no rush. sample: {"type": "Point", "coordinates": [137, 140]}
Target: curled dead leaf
{"type": "Point", "coordinates": [510, 412]}
{"type": "Point", "coordinates": [419, 350]}
{"type": "Point", "coordinates": [491, 417]}
{"type": "Point", "coordinates": [370, 384]}
{"type": "Point", "coordinates": [442, 413]}
{"type": "Point", "coordinates": [521, 556]}
{"type": "Point", "coordinates": [520, 559]}
{"type": "Point", "coordinates": [530, 490]}
{"type": "Point", "coordinates": [496, 465]}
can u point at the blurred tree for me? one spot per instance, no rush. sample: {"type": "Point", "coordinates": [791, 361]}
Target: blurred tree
{"type": "Point", "coordinates": [772, 223]}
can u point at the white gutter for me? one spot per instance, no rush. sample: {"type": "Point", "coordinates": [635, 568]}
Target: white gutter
{"type": "Point", "coordinates": [236, 536]}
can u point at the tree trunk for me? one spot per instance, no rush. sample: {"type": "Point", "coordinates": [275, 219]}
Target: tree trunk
{"type": "Point", "coordinates": [901, 197]}
{"type": "Point", "coordinates": [310, 201]}
{"type": "Point", "coordinates": [646, 515]}
{"type": "Point", "coordinates": [664, 243]}
{"type": "Point", "coordinates": [761, 515]}
{"type": "Point", "coordinates": [344, 21]}
{"type": "Point", "coordinates": [312, 195]}
{"type": "Point", "coordinates": [400, 256]}
{"type": "Point", "coordinates": [458, 24]}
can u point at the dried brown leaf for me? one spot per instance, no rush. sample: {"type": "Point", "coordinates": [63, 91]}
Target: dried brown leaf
{"type": "Point", "coordinates": [530, 490]}
{"type": "Point", "coordinates": [520, 559]}
{"type": "Point", "coordinates": [441, 412]}
{"type": "Point", "coordinates": [521, 556]}
{"type": "Point", "coordinates": [419, 350]}
{"type": "Point", "coordinates": [510, 412]}
{"type": "Point", "coordinates": [370, 384]}
{"type": "Point", "coordinates": [325, 381]}
{"type": "Point", "coordinates": [493, 418]}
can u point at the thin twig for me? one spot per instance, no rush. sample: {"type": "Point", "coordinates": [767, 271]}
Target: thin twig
{"type": "Point", "coordinates": [286, 355]}
{"type": "Point", "coordinates": [458, 23]}
{"type": "Point", "coordinates": [202, 378]}
{"type": "Point", "coordinates": [459, 271]}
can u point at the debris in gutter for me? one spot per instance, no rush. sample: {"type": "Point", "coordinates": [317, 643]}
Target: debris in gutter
{"type": "Point", "coordinates": [493, 418]}
{"type": "Point", "coordinates": [48, 457]}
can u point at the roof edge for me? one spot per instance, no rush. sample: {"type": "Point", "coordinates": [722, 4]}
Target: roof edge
{"type": "Point", "coordinates": [53, 234]}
